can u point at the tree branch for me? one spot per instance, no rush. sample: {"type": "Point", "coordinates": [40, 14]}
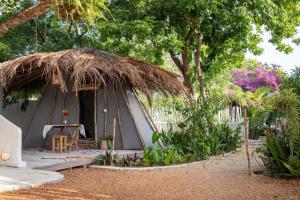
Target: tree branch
{"type": "Point", "coordinates": [24, 16]}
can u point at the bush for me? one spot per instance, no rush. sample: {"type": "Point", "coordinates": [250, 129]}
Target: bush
{"type": "Point", "coordinates": [279, 157]}
{"type": "Point", "coordinates": [157, 155]}
{"type": "Point", "coordinates": [183, 146]}
{"type": "Point", "coordinates": [281, 152]}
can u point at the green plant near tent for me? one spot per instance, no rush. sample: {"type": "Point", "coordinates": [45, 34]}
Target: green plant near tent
{"type": "Point", "coordinates": [278, 159]}
{"type": "Point", "coordinates": [172, 147]}
{"type": "Point", "coordinates": [281, 153]}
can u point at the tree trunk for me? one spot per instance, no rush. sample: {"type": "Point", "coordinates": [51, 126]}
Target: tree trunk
{"type": "Point", "coordinates": [184, 64]}
{"type": "Point", "coordinates": [199, 73]}
{"type": "Point", "coordinates": [24, 16]}
{"type": "Point", "coordinates": [246, 140]}
{"type": "Point", "coordinates": [184, 71]}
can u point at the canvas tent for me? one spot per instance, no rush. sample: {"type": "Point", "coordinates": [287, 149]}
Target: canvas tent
{"type": "Point", "coordinates": [93, 86]}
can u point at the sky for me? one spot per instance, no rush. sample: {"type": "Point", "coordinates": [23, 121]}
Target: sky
{"type": "Point", "coordinates": [272, 56]}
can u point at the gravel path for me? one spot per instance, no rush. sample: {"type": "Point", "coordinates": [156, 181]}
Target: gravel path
{"type": "Point", "coordinates": [219, 178]}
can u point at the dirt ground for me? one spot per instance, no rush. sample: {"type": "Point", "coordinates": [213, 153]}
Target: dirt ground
{"type": "Point", "coordinates": [219, 178]}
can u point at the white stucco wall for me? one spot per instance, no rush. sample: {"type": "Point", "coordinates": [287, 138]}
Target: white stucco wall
{"type": "Point", "coordinates": [11, 143]}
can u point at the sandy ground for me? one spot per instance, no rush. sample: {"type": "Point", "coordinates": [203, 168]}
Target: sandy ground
{"type": "Point", "coordinates": [219, 178]}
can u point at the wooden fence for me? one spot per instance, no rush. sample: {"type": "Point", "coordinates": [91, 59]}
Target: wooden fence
{"type": "Point", "coordinates": [166, 118]}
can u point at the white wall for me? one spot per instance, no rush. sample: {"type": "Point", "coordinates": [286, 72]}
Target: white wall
{"type": "Point", "coordinates": [11, 143]}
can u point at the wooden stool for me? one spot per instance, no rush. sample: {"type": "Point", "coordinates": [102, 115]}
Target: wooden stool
{"type": "Point", "coordinates": [59, 142]}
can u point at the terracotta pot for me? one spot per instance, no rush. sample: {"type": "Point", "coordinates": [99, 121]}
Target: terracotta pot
{"type": "Point", "coordinates": [103, 145]}
{"type": "Point", "coordinates": [4, 156]}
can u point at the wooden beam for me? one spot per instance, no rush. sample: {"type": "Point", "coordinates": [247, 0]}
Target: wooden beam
{"type": "Point", "coordinates": [118, 114]}
{"type": "Point", "coordinates": [95, 117]}
{"type": "Point", "coordinates": [106, 108]}
{"type": "Point", "coordinates": [134, 120]}
{"type": "Point", "coordinates": [53, 105]}
{"type": "Point", "coordinates": [33, 114]}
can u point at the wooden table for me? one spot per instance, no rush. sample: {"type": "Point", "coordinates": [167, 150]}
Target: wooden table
{"type": "Point", "coordinates": [74, 134]}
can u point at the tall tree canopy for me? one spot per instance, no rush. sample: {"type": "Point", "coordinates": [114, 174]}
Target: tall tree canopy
{"type": "Point", "coordinates": [200, 36]}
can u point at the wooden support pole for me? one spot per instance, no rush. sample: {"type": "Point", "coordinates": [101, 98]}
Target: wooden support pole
{"type": "Point", "coordinates": [118, 115]}
{"type": "Point", "coordinates": [105, 94]}
{"type": "Point", "coordinates": [53, 105]}
{"type": "Point", "coordinates": [33, 114]}
{"type": "Point", "coordinates": [246, 140]}
{"type": "Point", "coordinates": [95, 117]}
{"type": "Point", "coordinates": [77, 107]}
{"type": "Point", "coordinates": [113, 142]}
{"type": "Point", "coordinates": [134, 120]}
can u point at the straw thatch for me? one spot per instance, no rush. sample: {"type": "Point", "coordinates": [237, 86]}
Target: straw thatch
{"type": "Point", "coordinates": [87, 66]}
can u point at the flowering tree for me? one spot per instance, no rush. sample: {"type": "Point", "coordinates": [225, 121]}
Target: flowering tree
{"type": "Point", "coordinates": [251, 80]}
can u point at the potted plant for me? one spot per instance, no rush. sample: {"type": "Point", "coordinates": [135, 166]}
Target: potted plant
{"type": "Point", "coordinates": [105, 142]}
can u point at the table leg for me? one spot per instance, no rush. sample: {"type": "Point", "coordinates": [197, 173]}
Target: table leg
{"type": "Point", "coordinates": [61, 144]}
{"type": "Point", "coordinates": [53, 144]}
{"type": "Point", "coordinates": [76, 137]}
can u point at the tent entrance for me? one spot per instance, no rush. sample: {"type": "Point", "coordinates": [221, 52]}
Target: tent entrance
{"type": "Point", "coordinates": [86, 112]}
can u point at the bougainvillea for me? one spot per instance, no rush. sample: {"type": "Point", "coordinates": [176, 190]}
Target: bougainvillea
{"type": "Point", "coordinates": [261, 76]}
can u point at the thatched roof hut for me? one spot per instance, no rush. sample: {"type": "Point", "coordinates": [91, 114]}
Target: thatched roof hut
{"type": "Point", "coordinates": [87, 66]}
{"type": "Point", "coordinates": [95, 87]}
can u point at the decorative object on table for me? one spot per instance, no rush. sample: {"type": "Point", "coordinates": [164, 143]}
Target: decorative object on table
{"type": "Point", "coordinates": [105, 142]}
{"type": "Point", "coordinates": [66, 114]}
{"type": "Point", "coordinates": [4, 156]}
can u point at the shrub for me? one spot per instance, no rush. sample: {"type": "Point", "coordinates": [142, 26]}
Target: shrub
{"type": "Point", "coordinates": [277, 156]}
{"type": "Point", "coordinates": [180, 146]}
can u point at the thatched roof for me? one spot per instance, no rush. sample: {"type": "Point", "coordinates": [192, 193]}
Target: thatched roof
{"type": "Point", "coordinates": [87, 65]}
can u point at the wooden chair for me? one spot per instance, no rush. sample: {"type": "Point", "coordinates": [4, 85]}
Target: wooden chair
{"type": "Point", "coordinates": [72, 141]}
{"type": "Point", "coordinates": [59, 143]}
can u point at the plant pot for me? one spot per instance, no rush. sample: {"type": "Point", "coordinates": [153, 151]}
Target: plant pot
{"type": "Point", "coordinates": [103, 145]}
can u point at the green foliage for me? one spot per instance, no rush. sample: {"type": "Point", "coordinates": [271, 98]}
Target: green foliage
{"type": "Point", "coordinates": [106, 159]}
{"type": "Point", "coordinates": [293, 81]}
{"type": "Point", "coordinates": [191, 143]}
{"type": "Point", "coordinates": [277, 156]}
{"type": "Point", "coordinates": [151, 29]}
{"type": "Point", "coordinates": [129, 160]}
{"type": "Point", "coordinates": [280, 105]}
{"type": "Point", "coordinates": [281, 152]}
{"type": "Point", "coordinates": [158, 155]}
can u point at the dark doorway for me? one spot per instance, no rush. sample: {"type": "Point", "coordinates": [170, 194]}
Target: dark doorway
{"type": "Point", "coordinates": [86, 112]}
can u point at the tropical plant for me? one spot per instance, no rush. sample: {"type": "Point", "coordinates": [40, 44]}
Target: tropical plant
{"type": "Point", "coordinates": [184, 146]}
{"type": "Point", "coordinates": [158, 155]}
{"type": "Point", "coordinates": [280, 154]}
{"type": "Point", "coordinates": [277, 156]}
{"type": "Point", "coordinates": [107, 159]}
{"type": "Point", "coordinates": [129, 160]}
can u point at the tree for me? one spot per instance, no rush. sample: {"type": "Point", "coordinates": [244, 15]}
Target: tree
{"type": "Point", "coordinates": [202, 37]}
{"type": "Point", "coordinates": [253, 81]}
{"type": "Point", "coordinates": [70, 9]}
